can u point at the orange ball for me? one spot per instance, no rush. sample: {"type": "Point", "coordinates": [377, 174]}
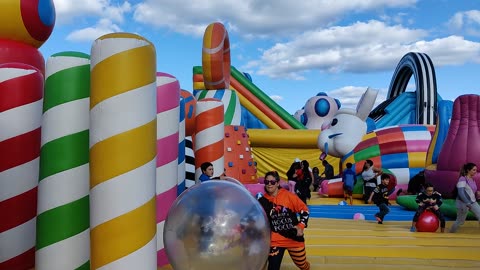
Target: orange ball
{"type": "Point", "coordinates": [27, 21]}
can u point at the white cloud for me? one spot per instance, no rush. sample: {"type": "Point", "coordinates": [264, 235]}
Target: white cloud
{"type": "Point", "coordinates": [276, 98]}
{"type": "Point", "coordinates": [253, 17]}
{"type": "Point", "coordinates": [350, 95]}
{"type": "Point", "coordinates": [452, 50]}
{"type": "Point", "coordinates": [90, 34]}
{"type": "Point", "coordinates": [467, 21]}
{"type": "Point", "coordinates": [358, 48]}
{"type": "Point", "coordinates": [68, 10]}
{"type": "Point", "coordinates": [321, 46]}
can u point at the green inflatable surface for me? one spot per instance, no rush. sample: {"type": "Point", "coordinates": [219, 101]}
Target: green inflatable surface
{"type": "Point", "coordinates": [448, 207]}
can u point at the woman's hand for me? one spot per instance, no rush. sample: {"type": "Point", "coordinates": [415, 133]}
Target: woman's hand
{"type": "Point", "coordinates": [299, 230]}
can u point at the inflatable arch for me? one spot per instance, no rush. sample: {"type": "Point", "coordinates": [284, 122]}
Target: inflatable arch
{"type": "Point", "coordinates": [421, 66]}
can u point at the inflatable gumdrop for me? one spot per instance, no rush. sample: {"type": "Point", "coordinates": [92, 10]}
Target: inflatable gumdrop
{"type": "Point", "coordinates": [358, 216]}
{"type": "Point", "coordinates": [427, 222]}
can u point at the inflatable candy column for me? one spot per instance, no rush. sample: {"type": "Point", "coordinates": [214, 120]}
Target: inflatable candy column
{"type": "Point", "coordinates": [181, 148]}
{"type": "Point", "coordinates": [24, 26]}
{"type": "Point", "coordinates": [190, 107]}
{"type": "Point", "coordinates": [21, 90]}
{"type": "Point", "coordinates": [123, 153]}
{"type": "Point", "coordinates": [209, 135]}
{"type": "Point", "coordinates": [190, 104]}
{"type": "Point", "coordinates": [168, 99]}
{"type": "Point", "coordinates": [63, 235]}
{"type": "Point", "coordinates": [189, 162]}
{"type": "Point", "coordinates": [229, 98]}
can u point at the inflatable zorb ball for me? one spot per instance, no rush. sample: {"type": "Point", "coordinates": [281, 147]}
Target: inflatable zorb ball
{"type": "Point", "coordinates": [216, 225]}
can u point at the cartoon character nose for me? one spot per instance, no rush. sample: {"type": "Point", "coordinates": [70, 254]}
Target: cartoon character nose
{"type": "Point", "coordinates": [325, 125]}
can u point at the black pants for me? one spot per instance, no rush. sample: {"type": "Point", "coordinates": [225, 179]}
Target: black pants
{"type": "Point", "coordinates": [298, 255]}
{"type": "Point", "coordinates": [367, 192]}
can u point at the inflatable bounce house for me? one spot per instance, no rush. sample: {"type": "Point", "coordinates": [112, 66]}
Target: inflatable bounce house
{"type": "Point", "coordinates": [459, 146]}
{"type": "Point", "coordinates": [267, 127]}
{"type": "Point", "coordinates": [96, 148]}
{"type": "Point", "coordinates": [406, 134]}
{"type": "Point", "coordinates": [399, 135]}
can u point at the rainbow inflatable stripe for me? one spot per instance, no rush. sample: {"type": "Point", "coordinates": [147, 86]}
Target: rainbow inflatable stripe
{"type": "Point", "coordinates": [401, 149]}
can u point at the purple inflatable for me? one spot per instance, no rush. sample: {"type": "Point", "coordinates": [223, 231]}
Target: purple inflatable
{"type": "Point", "coordinates": [461, 145]}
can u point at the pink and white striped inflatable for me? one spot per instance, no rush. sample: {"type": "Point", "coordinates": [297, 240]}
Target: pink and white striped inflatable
{"type": "Point", "coordinates": [168, 115]}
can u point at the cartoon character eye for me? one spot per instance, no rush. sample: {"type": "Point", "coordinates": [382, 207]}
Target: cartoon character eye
{"type": "Point", "coordinates": [339, 105]}
{"type": "Point", "coordinates": [322, 107]}
{"type": "Point", "coordinates": [334, 122]}
{"type": "Point", "coordinates": [303, 118]}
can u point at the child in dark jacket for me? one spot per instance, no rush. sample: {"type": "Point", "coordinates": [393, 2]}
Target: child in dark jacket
{"type": "Point", "coordinates": [380, 198]}
{"type": "Point", "coordinates": [348, 179]}
{"type": "Point", "coordinates": [430, 200]}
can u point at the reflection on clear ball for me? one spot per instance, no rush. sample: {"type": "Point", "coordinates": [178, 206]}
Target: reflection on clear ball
{"type": "Point", "coordinates": [235, 181]}
{"type": "Point", "coordinates": [216, 225]}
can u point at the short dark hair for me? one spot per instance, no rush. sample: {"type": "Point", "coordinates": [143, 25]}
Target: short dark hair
{"type": "Point", "coordinates": [427, 185]}
{"type": "Point", "coordinates": [349, 165]}
{"type": "Point", "coordinates": [274, 174]}
{"type": "Point", "coordinates": [205, 165]}
{"type": "Point", "coordinates": [385, 176]}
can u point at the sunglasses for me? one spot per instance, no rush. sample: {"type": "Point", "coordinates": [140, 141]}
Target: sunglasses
{"type": "Point", "coordinates": [271, 182]}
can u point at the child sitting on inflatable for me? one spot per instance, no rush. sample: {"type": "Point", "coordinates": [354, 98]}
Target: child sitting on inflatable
{"type": "Point", "coordinates": [429, 200]}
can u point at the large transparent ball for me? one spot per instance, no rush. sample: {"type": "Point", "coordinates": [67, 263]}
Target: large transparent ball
{"type": "Point", "coordinates": [216, 225]}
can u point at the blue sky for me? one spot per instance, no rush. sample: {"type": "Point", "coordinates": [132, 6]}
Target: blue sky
{"type": "Point", "coordinates": [293, 49]}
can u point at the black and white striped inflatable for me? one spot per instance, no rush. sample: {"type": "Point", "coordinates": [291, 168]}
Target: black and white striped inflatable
{"type": "Point", "coordinates": [189, 162]}
{"type": "Point", "coordinates": [420, 65]}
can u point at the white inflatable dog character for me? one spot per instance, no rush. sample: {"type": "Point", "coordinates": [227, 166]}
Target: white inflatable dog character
{"type": "Point", "coordinates": [340, 135]}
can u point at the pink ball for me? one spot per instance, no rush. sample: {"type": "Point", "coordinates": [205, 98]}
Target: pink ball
{"type": "Point", "coordinates": [358, 216]}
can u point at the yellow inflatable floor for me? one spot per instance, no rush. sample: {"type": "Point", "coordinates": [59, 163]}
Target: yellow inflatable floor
{"type": "Point", "coordinates": [359, 244]}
